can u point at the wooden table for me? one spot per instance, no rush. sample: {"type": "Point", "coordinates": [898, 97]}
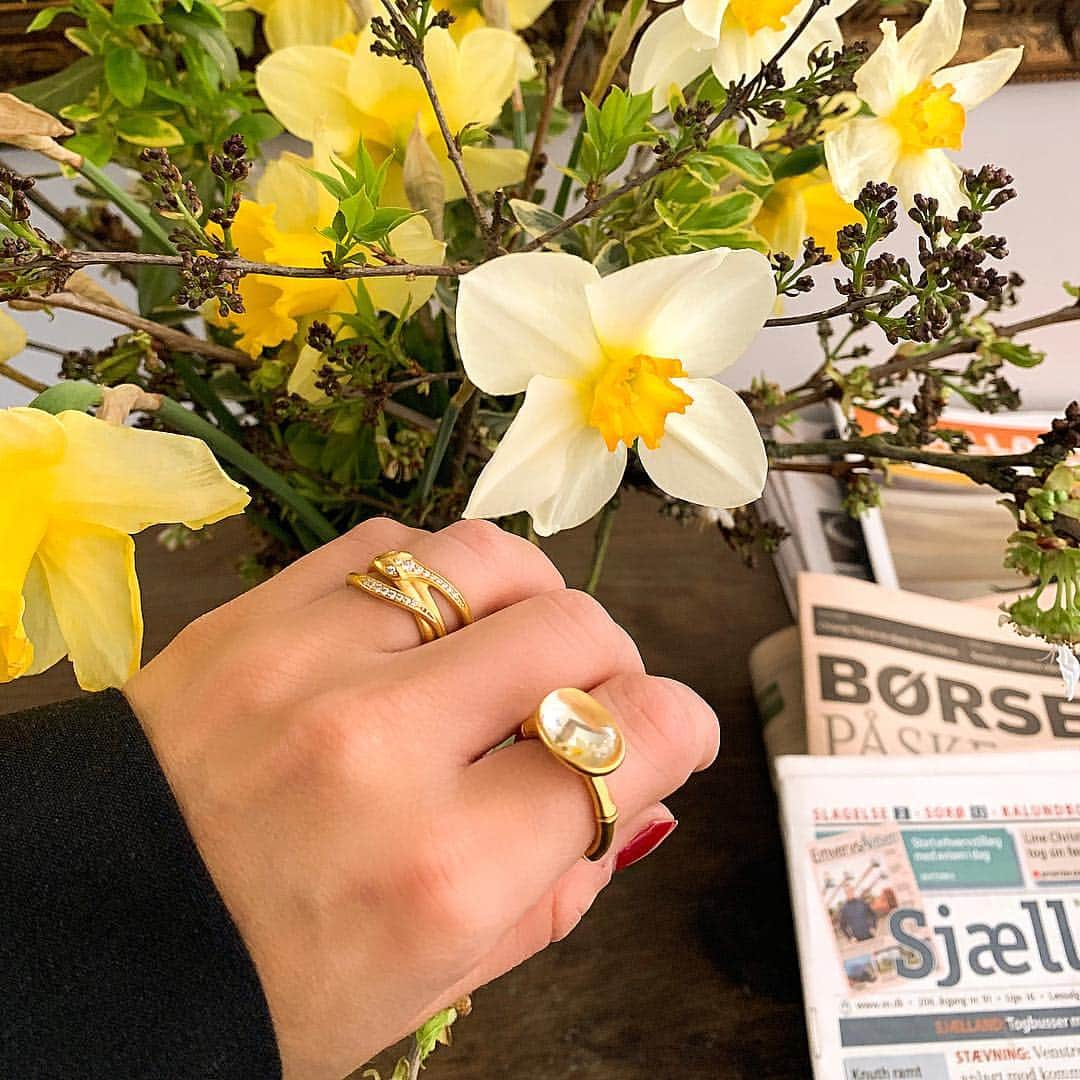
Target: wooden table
{"type": "Point", "coordinates": [685, 967]}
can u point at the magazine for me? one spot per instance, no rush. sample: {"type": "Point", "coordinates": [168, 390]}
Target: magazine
{"type": "Point", "coordinates": [937, 909]}
{"type": "Point", "coordinates": [881, 671]}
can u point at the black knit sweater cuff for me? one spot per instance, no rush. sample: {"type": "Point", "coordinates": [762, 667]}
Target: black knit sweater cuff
{"type": "Point", "coordinates": [118, 957]}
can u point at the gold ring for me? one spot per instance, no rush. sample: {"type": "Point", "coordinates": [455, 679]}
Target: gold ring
{"type": "Point", "coordinates": [400, 578]}
{"type": "Point", "coordinates": [582, 735]}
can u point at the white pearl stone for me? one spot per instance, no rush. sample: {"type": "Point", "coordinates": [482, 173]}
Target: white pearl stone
{"type": "Point", "coordinates": [580, 729]}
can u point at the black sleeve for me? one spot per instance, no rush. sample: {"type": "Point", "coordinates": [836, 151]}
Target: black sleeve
{"type": "Point", "coordinates": [118, 957]}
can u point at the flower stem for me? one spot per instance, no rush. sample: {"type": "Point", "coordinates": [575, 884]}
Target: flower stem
{"type": "Point", "coordinates": [600, 544]}
{"type": "Point", "coordinates": [175, 416]}
{"type": "Point", "coordinates": [443, 434]}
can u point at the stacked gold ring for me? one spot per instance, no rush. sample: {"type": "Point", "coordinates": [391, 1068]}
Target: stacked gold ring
{"type": "Point", "coordinates": [582, 735]}
{"type": "Point", "coordinates": [401, 579]}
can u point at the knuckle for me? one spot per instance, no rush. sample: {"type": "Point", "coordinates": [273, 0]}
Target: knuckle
{"type": "Point", "coordinates": [671, 724]}
{"type": "Point", "coordinates": [511, 555]}
{"type": "Point", "coordinates": [568, 908]}
{"type": "Point", "coordinates": [441, 893]}
{"type": "Point", "coordinates": [584, 622]}
{"type": "Point", "coordinates": [379, 534]}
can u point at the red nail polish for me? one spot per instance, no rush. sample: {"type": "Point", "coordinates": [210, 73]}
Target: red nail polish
{"type": "Point", "coordinates": [645, 843]}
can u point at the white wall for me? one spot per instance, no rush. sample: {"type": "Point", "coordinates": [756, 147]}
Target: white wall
{"type": "Point", "coordinates": [1031, 129]}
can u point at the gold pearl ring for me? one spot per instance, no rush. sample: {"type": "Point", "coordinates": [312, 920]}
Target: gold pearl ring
{"type": "Point", "coordinates": [401, 579]}
{"type": "Point", "coordinates": [582, 735]}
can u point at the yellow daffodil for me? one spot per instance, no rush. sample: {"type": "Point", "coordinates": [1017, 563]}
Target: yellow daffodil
{"type": "Point", "coordinates": [281, 225]}
{"type": "Point", "coordinates": [301, 22]}
{"type": "Point", "coordinates": [358, 95]}
{"type": "Point", "coordinates": [470, 15]}
{"type": "Point", "coordinates": [803, 206]}
{"type": "Point", "coordinates": [920, 110]}
{"type": "Point", "coordinates": [609, 362]}
{"type": "Point", "coordinates": [733, 37]}
{"type": "Point", "coordinates": [12, 337]}
{"type": "Point", "coordinates": [74, 491]}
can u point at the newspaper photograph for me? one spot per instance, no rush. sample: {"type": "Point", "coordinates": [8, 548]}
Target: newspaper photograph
{"type": "Point", "coordinates": [937, 910]}
{"type": "Point", "coordinates": [887, 672]}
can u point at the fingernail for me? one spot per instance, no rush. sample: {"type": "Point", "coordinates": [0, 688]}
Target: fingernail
{"type": "Point", "coordinates": [645, 843]}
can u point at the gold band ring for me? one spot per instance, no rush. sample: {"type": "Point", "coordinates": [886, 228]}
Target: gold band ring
{"type": "Point", "coordinates": [399, 578]}
{"type": "Point", "coordinates": [581, 734]}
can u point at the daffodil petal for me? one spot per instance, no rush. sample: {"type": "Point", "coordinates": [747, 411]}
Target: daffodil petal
{"type": "Point", "coordinates": [932, 42]}
{"type": "Point", "coordinates": [525, 12]}
{"type": "Point", "coordinates": [413, 241]}
{"type": "Point", "coordinates": [12, 337]}
{"type": "Point", "coordinates": [671, 53]}
{"type": "Point", "coordinates": [702, 309]}
{"type": "Point", "coordinates": [125, 479]}
{"type": "Point", "coordinates": [737, 53]}
{"type": "Point", "coordinates": [591, 475]}
{"type": "Point", "coordinates": [529, 464]}
{"type": "Point", "coordinates": [304, 373]}
{"type": "Point", "coordinates": [705, 16]}
{"type": "Point", "coordinates": [973, 83]}
{"type": "Point", "coordinates": [932, 173]}
{"type": "Point", "coordinates": [822, 29]}
{"type": "Point", "coordinates": [862, 150]}
{"type": "Point", "coordinates": [526, 314]}
{"type": "Point", "coordinates": [883, 80]}
{"type": "Point", "coordinates": [90, 575]}
{"type": "Point", "coordinates": [307, 22]}
{"type": "Point", "coordinates": [304, 86]}
{"type": "Point", "coordinates": [39, 619]}
{"type": "Point", "coordinates": [488, 169]}
{"type": "Point", "coordinates": [712, 454]}
{"type": "Point", "coordinates": [296, 196]}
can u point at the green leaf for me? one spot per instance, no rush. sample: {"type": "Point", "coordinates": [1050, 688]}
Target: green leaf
{"type": "Point", "coordinates": [256, 128]}
{"type": "Point", "coordinates": [716, 215]}
{"type": "Point", "coordinates": [135, 13]}
{"type": "Point", "coordinates": [805, 159]}
{"type": "Point", "coordinates": [212, 41]}
{"type": "Point", "coordinates": [357, 211]}
{"type": "Point", "coordinates": [611, 257]}
{"type": "Point", "coordinates": [1072, 290]}
{"type": "Point", "coordinates": [610, 131]}
{"type": "Point", "coordinates": [1021, 356]}
{"type": "Point", "coordinates": [82, 39]}
{"type": "Point", "coordinates": [44, 19]}
{"type": "Point", "coordinates": [744, 162]}
{"type": "Point", "coordinates": [74, 85]}
{"type": "Point", "coordinates": [97, 147]}
{"type": "Point", "coordinates": [537, 221]}
{"type": "Point", "coordinates": [125, 73]}
{"type": "Point", "coordinates": [79, 114]}
{"type": "Point", "coordinates": [141, 129]}
{"type": "Point", "coordinates": [77, 395]}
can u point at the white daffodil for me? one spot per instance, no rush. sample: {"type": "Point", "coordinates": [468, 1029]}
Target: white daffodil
{"type": "Point", "coordinates": [921, 109]}
{"type": "Point", "coordinates": [733, 37]}
{"type": "Point", "coordinates": [607, 362]}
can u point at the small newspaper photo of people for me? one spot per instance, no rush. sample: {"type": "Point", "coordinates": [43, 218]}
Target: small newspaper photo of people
{"type": "Point", "coordinates": [863, 877]}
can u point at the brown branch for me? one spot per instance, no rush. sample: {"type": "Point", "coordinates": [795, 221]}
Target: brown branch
{"type": "Point", "coordinates": [555, 80]}
{"type": "Point", "coordinates": [167, 335]}
{"type": "Point", "coordinates": [847, 308]}
{"type": "Point", "coordinates": [76, 260]}
{"type": "Point", "coordinates": [27, 381]}
{"type": "Point", "coordinates": [903, 363]}
{"type": "Point", "coordinates": [416, 60]}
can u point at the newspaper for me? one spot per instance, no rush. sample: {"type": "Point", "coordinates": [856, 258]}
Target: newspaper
{"type": "Point", "coordinates": [824, 537]}
{"type": "Point", "coordinates": [887, 672]}
{"type": "Point", "coordinates": [937, 908]}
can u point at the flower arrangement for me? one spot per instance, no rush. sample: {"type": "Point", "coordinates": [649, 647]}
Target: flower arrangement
{"type": "Point", "coordinates": [428, 310]}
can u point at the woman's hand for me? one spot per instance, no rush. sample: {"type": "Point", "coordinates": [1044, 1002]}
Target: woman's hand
{"type": "Point", "coordinates": [334, 774]}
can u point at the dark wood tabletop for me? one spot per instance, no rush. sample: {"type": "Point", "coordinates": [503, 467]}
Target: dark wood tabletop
{"type": "Point", "coordinates": [685, 967]}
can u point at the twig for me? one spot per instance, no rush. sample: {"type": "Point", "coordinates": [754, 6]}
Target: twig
{"type": "Point", "coordinates": [902, 363]}
{"type": "Point", "coordinates": [831, 313]}
{"type": "Point", "coordinates": [167, 335]}
{"type": "Point", "coordinates": [76, 260]}
{"type": "Point", "coordinates": [416, 59]}
{"type": "Point", "coordinates": [27, 381]}
{"type": "Point", "coordinates": [556, 78]}
{"type": "Point", "coordinates": [416, 1059]}
{"type": "Point", "coordinates": [45, 347]}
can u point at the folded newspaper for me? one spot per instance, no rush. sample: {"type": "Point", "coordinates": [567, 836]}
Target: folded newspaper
{"type": "Point", "coordinates": [879, 671]}
{"type": "Point", "coordinates": [937, 905]}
